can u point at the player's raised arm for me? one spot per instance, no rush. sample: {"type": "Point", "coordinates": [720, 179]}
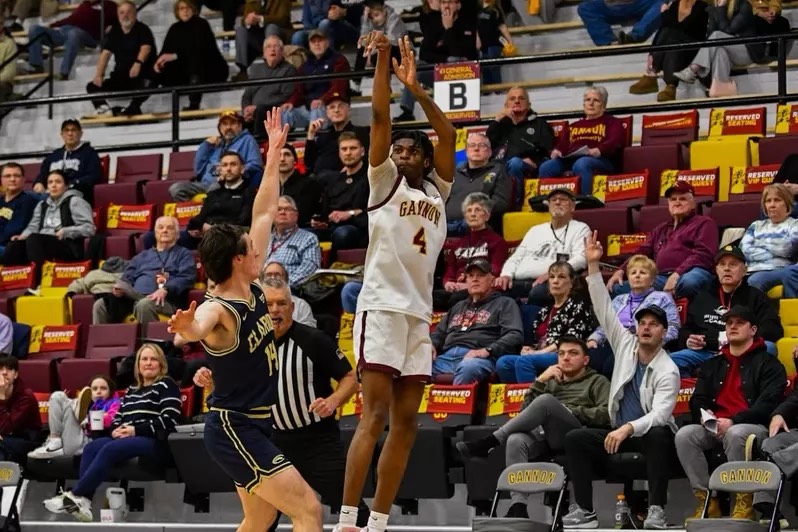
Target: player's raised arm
{"type": "Point", "coordinates": [380, 142]}
{"type": "Point", "coordinates": [447, 136]}
{"type": "Point", "coordinates": [264, 208]}
{"type": "Point", "coordinates": [194, 324]}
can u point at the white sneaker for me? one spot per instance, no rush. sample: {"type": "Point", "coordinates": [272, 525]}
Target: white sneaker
{"type": "Point", "coordinates": [55, 504]}
{"type": "Point", "coordinates": [341, 528]}
{"type": "Point", "coordinates": [52, 448]}
{"type": "Point", "coordinates": [78, 507]}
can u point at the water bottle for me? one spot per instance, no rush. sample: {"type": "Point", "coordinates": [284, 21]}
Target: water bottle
{"type": "Point", "coordinates": [226, 47]}
{"type": "Point", "coordinates": [622, 512]}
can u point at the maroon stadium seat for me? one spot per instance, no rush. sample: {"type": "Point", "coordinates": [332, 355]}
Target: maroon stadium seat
{"type": "Point", "coordinates": [112, 340]}
{"type": "Point", "coordinates": [181, 165]}
{"type": "Point", "coordinates": [773, 150]}
{"type": "Point", "coordinates": [119, 246]}
{"type": "Point", "coordinates": [81, 314]}
{"type": "Point", "coordinates": [655, 159]}
{"type": "Point", "coordinates": [607, 221]}
{"type": "Point", "coordinates": [735, 213]}
{"type": "Point", "coordinates": [38, 375]}
{"type": "Point", "coordinates": [351, 256]}
{"type": "Point", "coordinates": [117, 193]}
{"type": "Point", "coordinates": [135, 168]}
{"type": "Point", "coordinates": [157, 330]}
{"type": "Point", "coordinates": [75, 373]}
{"type": "Point", "coordinates": [651, 216]}
{"type": "Point", "coordinates": [157, 193]}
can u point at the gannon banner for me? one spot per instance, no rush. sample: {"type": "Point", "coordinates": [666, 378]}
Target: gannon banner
{"type": "Point", "coordinates": [183, 211]}
{"type": "Point", "coordinates": [135, 217]}
{"type": "Point", "coordinates": [506, 399]}
{"type": "Point", "coordinates": [752, 179]}
{"type": "Point", "coordinates": [620, 187]}
{"type": "Point", "coordinates": [49, 338]}
{"type": "Point", "coordinates": [440, 400]}
{"type": "Point", "coordinates": [60, 274]}
{"type": "Point", "coordinates": [16, 277]}
{"type": "Point", "coordinates": [684, 120]}
{"type": "Point", "coordinates": [750, 121]}
{"type": "Point", "coordinates": [705, 182]}
{"type": "Point", "coordinates": [624, 244]}
{"type": "Point", "coordinates": [686, 390]}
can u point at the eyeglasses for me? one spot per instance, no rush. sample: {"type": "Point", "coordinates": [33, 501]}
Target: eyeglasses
{"type": "Point", "coordinates": [479, 145]}
{"type": "Point", "coordinates": [285, 209]}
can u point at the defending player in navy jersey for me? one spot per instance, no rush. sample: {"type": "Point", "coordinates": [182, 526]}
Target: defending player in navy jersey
{"type": "Point", "coordinates": [236, 331]}
{"type": "Point", "coordinates": [409, 182]}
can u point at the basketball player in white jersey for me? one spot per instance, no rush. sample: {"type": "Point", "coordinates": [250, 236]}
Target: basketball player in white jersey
{"type": "Point", "coordinates": [407, 227]}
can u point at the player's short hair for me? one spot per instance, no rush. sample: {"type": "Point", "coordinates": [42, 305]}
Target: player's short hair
{"type": "Point", "coordinates": [217, 249]}
{"type": "Point", "coordinates": [421, 139]}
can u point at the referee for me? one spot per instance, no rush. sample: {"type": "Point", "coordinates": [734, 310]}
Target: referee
{"type": "Point", "coordinates": [304, 424]}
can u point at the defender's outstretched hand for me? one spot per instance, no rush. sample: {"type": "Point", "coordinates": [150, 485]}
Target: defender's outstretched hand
{"type": "Point", "coordinates": [181, 321]}
{"type": "Point", "coordinates": [276, 131]}
{"type": "Point", "coordinates": [406, 70]}
{"type": "Point", "coordinates": [376, 41]}
{"type": "Point", "coordinates": [593, 249]}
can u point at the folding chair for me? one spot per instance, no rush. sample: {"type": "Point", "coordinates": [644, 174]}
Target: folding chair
{"type": "Point", "coordinates": [11, 477]}
{"type": "Point", "coordinates": [534, 477]}
{"type": "Point", "coordinates": [741, 477]}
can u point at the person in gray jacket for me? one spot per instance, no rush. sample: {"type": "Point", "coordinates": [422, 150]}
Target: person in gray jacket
{"type": "Point", "coordinates": [256, 100]}
{"type": "Point", "coordinates": [475, 332]}
{"type": "Point", "coordinates": [567, 396]}
{"type": "Point", "coordinates": [643, 392]}
{"type": "Point", "coordinates": [56, 231]}
{"type": "Point", "coordinates": [101, 280]}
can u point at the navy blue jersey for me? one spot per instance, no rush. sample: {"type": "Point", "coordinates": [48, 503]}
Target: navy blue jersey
{"type": "Point", "coordinates": [245, 375]}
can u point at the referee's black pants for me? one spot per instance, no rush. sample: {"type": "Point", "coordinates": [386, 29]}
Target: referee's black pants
{"type": "Point", "coordinates": [320, 457]}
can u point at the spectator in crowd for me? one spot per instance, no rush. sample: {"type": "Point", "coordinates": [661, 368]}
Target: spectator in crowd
{"type": "Point", "coordinates": [682, 21]}
{"type": "Point", "coordinates": [588, 146]}
{"type": "Point", "coordinates": [16, 205]}
{"type": "Point", "coordinates": [342, 24]}
{"type": "Point", "coordinates": [769, 244]}
{"type": "Point", "coordinates": [8, 47]}
{"type": "Point", "coordinates": [313, 12]}
{"type": "Point", "coordinates": [307, 102]}
{"type": "Point", "coordinates": [682, 247]}
{"type": "Point", "coordinates": [476, 331]}
{"type": "Point", "coordinates": [349, 294]}
{"type": "Point", "coordinates": [343, 219]}
{"type": "Point", "coordinates": [734, 396]}
{"type": "Point", "coordinates": [57, 229]}
{"type": "Point", "coordinates": [599, 16]}
{"type": "Point", "coordinates": [155, 282]}
{"type": "Point", "coordinates": [641, 272]}
{"type": "Point", "coordinates": [492, 30]}
{"type": "Point", "coordinates": [296, 249]}
{"type": "Point", "coordinates": [787, 176]}
{"type": "Point", "coordinates": [302, 312]}
{"type": "Point", "coordinates": [229, 9]}
{"type": "Point", "coordinates": [20, 420]}
{"type": "Point", "coordinates": [562, 239]}
{"type": "Point", "coordinates": [479, 242]}
{"type": "Point", "coordinates": [6, 335]}
{"type": "Point", "coordinates": [68, 419]}
{"type": "Point", "coordinates": [76, 160]}
{"type": "Point", "coordinates": [19, 10]}
{"type": "Point", "coordinates": [643, 392]}
{"type": "Point", "coordinates": [304, 190]}
{"type": "Point", "coordinates": [189, 55]}
{"type": "Point", "coordinates": [478, 175]}
{"type": "Point", "coordinates": [568, 315]}
{"type": "Point", "coordinates": [703, 334]}
{"type": "Point", "coordinates": [81, 28]}
{"type": "Point", "coordinates": [133, 48]}
{"type": "Point", "coordinates": [520, 139]}
{"type": "Point", "coordinates": [257, 100]}
{"type": "Point", "coordinates": [448, 35]}
{"type": "Point", "coordinates": [755, 18]}
{"type": "Point", "coordinates": [148, 412]}
{"type": "Point", "coordinates": [101, 280]}
{"type": "Point", "coordinates": [230, 203]}
{"type": "Point", "coordinates": [377, 16]}
{"type": "Point", "coordinates": [567, 396]}
{"type": "Point", "coordinates": [207, 162]}
{"type": "Point", "coordinates": [321, 144]}
{"type": "Point", "coordinates": [271, 18]}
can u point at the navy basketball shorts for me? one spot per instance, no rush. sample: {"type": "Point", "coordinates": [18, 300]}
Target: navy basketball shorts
{"type": "Point", "coordinates": [242, 447]}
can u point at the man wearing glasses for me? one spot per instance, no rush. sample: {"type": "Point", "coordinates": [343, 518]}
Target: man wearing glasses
{"type": "Point", "coordinates": [296, 249]}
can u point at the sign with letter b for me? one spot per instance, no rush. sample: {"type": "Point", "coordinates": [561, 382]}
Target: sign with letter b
{"type": "Point", "coordinates": [457, 90]}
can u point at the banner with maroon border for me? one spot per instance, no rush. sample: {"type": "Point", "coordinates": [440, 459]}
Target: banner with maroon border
{"type": "Point", "coordinates": [624, 244]}
{"type": "Point", "coordinates": [627, 122]}
{"type": "Point", "coordinates": [49, 338]}
{"type": "Point", "coordinates": [557, 126]}
{"type": "Point", "coordinates": [787, 119]}
{"type": "Point", "coordinates": [620, 187]}
{"type": "Point", "coordinates": [441, 400]}
{"type": "Point", "coordinates": [749, 121]}
{"type": "Point", "coordinates": [686, 389]}
{"type": "Point", "coordinates": [44, 405]}
{"type": "Point", "coordinates": [752, 179]}
{"type": "Point", "coordinates": [354, 406]}
{"type": "Point", "coordinates": [16, 277]}
{"type": "Point", "coordinates": [705, 182]}
{"type": "Point", "coordinates": [183, 211]}
{"type": "Point", "coordinates": [61, 274]}
{"type": "Point", "coordinates": [506, 399]}
{"type": "Point", "coordinates": [134, 217]}
{"type": "Point", "coordinates": [685, 120]}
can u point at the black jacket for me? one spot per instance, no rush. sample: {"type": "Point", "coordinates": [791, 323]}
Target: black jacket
{"type": "Point", "coordinates": [789, 409]}
{"type": "Point", "coordinates": [531, 138]}
{"type": "Point", "coordinates": [763, 381]}
{"type": "Point", "coordinates": [226, 205]}
{"type": "Point", "coordinates": [704, 314]}
{"type": "Point", "coordinates": [321, 153]}
{"type": "Point", "coordinates": [306, 192]}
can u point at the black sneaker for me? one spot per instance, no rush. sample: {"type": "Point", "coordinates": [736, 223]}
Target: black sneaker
{"type": "Point", "coordinates": [626, 38]}
{"type": "Point", "coordinates": [15, 27]}
{"type": "Point", "coordinates": [753, 449]}
{"type": "Point", "coordinates": [480, 448]}
{"type": "Point", "coordinates": [406, 116]}
{"type": "Point", "coordinates": [517, 510]}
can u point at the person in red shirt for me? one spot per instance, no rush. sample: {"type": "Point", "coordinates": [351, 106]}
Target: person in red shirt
{"type": "Point", "coordinates": [20, 421]}
{"type": "Point", "coordinates": [734, 396]}
{"type": "Point", "coordinates": [588, 146]}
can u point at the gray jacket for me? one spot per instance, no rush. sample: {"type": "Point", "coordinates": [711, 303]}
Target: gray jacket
{"type": "Point", "coordinates": [273, 94]}
{"type": "Point", "coordinates": [490, 179]}
{"type": "Point", "coordinates": [83, 221]}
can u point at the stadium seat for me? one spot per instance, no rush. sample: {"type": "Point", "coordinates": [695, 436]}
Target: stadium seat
{"type": "Point", "coordinates": [734, 214]}
{"type": "Point", "coordinates": [181, 165]}
{"type": "Point", "coordinates": [157, 193]}
{"type": "Point", "coordinates": [112, 340]}
{"type": "Point", "coordinates": [31, 171]}
{"type": "Point", "coordinates": [188, 449]}
{"type": "Point", "coordinates": [516, 224]}
{"type": "Point", "coordinates": [351, 256]}
{"type": "Point", "coordinates": [119, 246]}
{"type": "Point", "coordinates": [723, 152]}
{"type": "Point", "coordinates": [20, 338]}
{"type": "Point", "coordinates": [136, 168]}
{"type": "Point", "coordinates": [75, 373]}
{"type": "Point", "coordinates": [117, 193]}
{"type": "Point", "coordinates": [481, 475]}
{"type": "Point", "coordinates": [82, 315]}
{"type": "Point", "coordinates": [38, 375]}
{"type": "Point", "coordinates": [773, 150]}
{"type": "Point", "coordinates": [157, 330]}
{"type": "Point", "coordinates": [651, 216]}
{"type": "Point", "coordinates": [42, 310]}
{"type": "Point", "coordinates": [607, 221]}
{"type": "Point", "coordinates": [41, 349]}
{"type": "Point", "coordinates": [785, 348]}
{"type": "Point", "coordinates": [655, 159]}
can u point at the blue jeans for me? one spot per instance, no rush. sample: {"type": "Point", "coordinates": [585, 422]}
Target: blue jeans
{"type": "Point", "coordinates": [517, 169]}
{"type": "Point", "coordinates": [492, 75]}
{"type": "Point", "coordinates": [71, 38]}
{"type": "Point", "coordinates": [14, 448]}
{"type": "Point", "coordinates": [598, 18]}
{"type": "Point", "coordinates": [339, 32]}
{"type": "Point", "coordinates": [347, 237]}
{"type": "Point", "coordinates": [688, 360]}
{"type": "Point", "coordinates": [301, 117]}
{"type": "Point", "coordinates": [523, 368]}
{"type": "Point", "coordinates": [790, 282]}
{"type": "Point", "coordinates": [690, 283]}
{"type": "Point", "coordinates": [102, 454]}
{"type": "Point", "coordinates": [349, 295]}
{"type": "Point", "coordinates": [584, 167]}
{"type": "Point", "coordinates": [765, 280]}
{"type": "Point", "coordinates": [466, 371]}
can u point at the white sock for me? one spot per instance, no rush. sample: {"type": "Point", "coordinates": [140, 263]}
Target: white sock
{"type": "Point", "coordinates": [347, 516]}
{"type": "Point", "coordinates": [377, 522]}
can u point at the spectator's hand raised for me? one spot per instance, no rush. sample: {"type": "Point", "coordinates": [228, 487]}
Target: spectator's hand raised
{"type": "Point", "coordinates": [593, 249]}
{"type": "Point", "coordinates": [315, 104]}
{"type": "Point", "coordinates": [314, 128]}
{"type": "Point", "coordinates": [251, 19]}
{"type": "Point", "coordinates": [377, 41]}
{"type": "Point", "coordinates": [276, 132]}
{"type": "Point", "coordinates": [406, 70]}
{"type": "Point", "coordinates": [249, 113]}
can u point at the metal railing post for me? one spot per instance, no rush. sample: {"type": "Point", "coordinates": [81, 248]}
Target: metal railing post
{"type": "Point", "coordinates": [51, 68]}
{"type": "Point", "coordinates": [102, 21]}
{"type": "Point", "coordinates": [175, 120]}
{"type": "Point", "coordinates": [781, 68]}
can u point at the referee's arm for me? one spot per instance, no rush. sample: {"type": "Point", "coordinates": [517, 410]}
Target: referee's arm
{"type": "Point", "coordinates": [336, 366]}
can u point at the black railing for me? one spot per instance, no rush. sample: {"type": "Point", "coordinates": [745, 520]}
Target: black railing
{"type": "Point", "coordinates": [781, 96]}
{"type": "Point", "coordinates": [47, 80]}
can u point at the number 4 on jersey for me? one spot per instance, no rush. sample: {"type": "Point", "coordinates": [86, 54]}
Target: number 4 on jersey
{"type": "Point", "coordinates": [420, 240]}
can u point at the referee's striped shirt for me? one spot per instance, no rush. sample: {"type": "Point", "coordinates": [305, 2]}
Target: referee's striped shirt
{"type": "Point", "coordinates": [308, 359]}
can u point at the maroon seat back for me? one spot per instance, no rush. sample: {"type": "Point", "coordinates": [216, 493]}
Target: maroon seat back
{"type": "Point", "coordinates": [135, 168]}
{"type": "Point", "coordinates": [112, 340]}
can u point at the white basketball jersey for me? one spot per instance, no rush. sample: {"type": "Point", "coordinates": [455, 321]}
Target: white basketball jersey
{"type": "Point", "coordinates": [407, 229]}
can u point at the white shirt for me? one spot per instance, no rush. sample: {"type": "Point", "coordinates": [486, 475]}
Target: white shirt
{"type": "Point", "coordinates": [540, 247]}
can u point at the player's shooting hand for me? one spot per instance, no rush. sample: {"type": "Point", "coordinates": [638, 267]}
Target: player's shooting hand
{"type": "Point", "coordinates": [323, 407]}
{"type": "Point", "coordinates": [181, 320]}
{"type": "Point", "coordinates": [203, 378]}
{"type": "Point", "coordinates": [406, 70]}
{"type": "Point", "coordinates": [376, 41]}
{"type": "Point", "coordinates": [275, 130]}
